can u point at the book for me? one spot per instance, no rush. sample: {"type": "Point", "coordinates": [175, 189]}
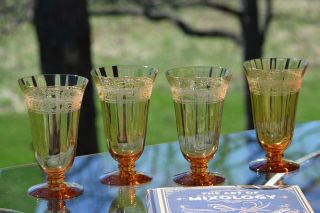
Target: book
{"type": "Point", "coordinates": [276, 199]}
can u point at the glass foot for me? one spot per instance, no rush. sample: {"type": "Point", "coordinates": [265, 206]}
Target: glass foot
{"type": "Point", "coordinates": [115, 179]}
{"type": "Point", "coordinates": [70, 190]}
{"type": "Point", "coordinates": [209, 179]}
{"type": "Point", "coordinates": [263, 166]}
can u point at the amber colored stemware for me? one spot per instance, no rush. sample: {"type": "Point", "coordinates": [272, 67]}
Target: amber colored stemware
{"type": "Point", "coordinates": [198, 94]}
{"type": "Point", "coordinates": [274, 85]}
{"type": "Point", "coordinates": [53, 103]}
{"type": "Point", "coordinates": [124, 93]}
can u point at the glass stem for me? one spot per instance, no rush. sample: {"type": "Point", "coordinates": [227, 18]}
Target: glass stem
{"type": "Point", "coordinates": [126, 168]}
{"type": "Point", "coordinates": [274, 158]}
{"type": "Point", "coordinates": [198, 168]}
{"type": "Point", "coordinates": [56, 180]}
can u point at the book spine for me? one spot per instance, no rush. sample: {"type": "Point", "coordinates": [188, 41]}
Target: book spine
{"type": "Point", "coordinates": [302, 199]}
{"type": "Point", "coordinates": [151, 206]}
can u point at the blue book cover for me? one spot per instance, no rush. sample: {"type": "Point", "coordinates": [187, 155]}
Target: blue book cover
{"type": "Point", "coordinates": [227, 199]}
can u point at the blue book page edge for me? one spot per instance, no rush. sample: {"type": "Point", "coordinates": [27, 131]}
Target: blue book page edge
{"type": "Point", "coordinates": [158, 202]}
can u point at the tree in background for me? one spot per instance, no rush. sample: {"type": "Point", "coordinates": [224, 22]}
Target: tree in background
{"type": "Point", "coordinates": [63, 34]}
{"type": "Point", "coordinates": [254, 20]}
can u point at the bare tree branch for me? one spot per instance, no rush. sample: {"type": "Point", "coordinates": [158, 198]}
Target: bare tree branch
{"type": "Point", "coordinates": [187, 29]}
{"type": "Point", "coordinates": [132, 11]}
{"type": "Point", "coordinates": [157, 16]}
{"type": "Point", "coordinates": [267, 20]}
{"type": "Point", "coordinates": [209, 4]}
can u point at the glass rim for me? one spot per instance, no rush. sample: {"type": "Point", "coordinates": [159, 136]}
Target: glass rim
{"type": "Point", "coordinates": [276, 70]}
{"type": "Point", "coordinates": [127, 67]}
{"type": "Point", "coordinates": [20, 80]}
{"type": "Point", "coordinates": [303, 61]}
{"type": "Point", "coordinates": [227, 73]}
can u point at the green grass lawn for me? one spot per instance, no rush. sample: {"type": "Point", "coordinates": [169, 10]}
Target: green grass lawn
{"type": "Point", "coordinates": [127, 40]}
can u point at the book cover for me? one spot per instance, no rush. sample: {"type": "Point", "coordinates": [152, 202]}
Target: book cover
{"type": "Point", "coordinates": [227, 199]}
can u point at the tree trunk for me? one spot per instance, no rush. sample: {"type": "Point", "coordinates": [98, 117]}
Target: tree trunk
{"type": "Point", "coordinates": [64, 43]}
{"type": "Point", "coordinates": [252, 46]}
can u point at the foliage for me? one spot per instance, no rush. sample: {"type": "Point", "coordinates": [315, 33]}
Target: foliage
{"type": "Point", "coordinates": [13, 13]}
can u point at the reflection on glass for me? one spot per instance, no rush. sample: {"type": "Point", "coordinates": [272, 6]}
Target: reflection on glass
{"type": "Point", "coordinates": [274, 87]}
{"type": "Point", "coordinates": [57, 206]}
{"type": "Point", "coordinates": [127, 201]}
{"type": "Point", "coordinates": [53, 103]}
{"type": "Point", "coordinates": [198, 94]}
{"type": "Point", "coordinates": [124, 93]}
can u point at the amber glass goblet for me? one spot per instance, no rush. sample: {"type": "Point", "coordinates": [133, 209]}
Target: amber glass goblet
{"type": "Point", "coordinates": [124, 93]}
{"type": "Point", "coordinates": [53, 103]}
{"type": "Point", "coordinates": [274, 85]}
{"type": "Point", "coordinates": [198, 94]}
